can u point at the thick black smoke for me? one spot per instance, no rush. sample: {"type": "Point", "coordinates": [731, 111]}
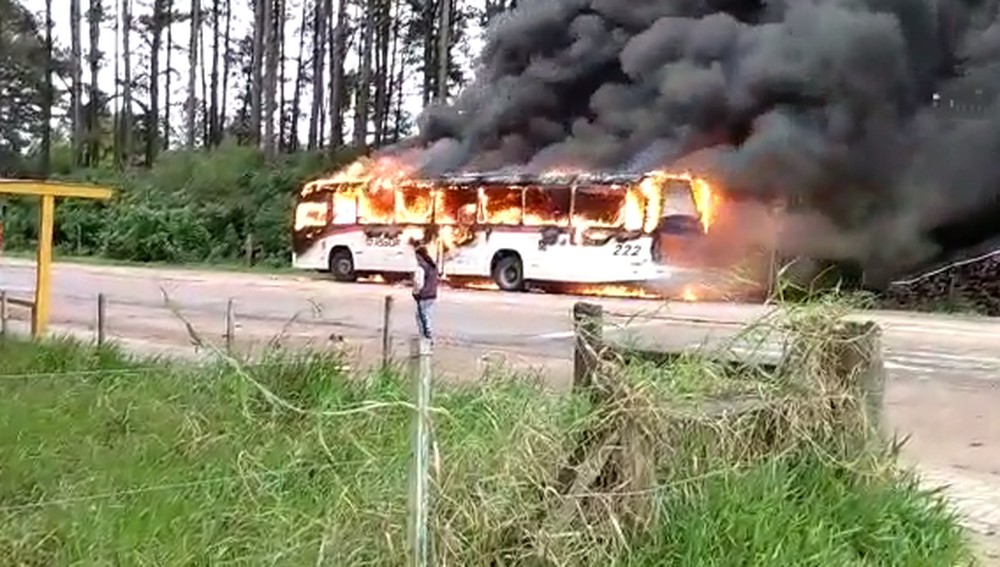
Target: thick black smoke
{"type": "Point", "coordinates": [827, 101]}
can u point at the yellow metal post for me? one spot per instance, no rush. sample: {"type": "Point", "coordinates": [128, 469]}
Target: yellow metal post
{"type": "Point", "coordinates": [47, 191]}
{"type": "Point", "coordinates": [43, 277]}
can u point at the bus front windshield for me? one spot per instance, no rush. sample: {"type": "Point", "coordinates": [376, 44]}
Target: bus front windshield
{"type": "Point", "coordinates": [678, 199]}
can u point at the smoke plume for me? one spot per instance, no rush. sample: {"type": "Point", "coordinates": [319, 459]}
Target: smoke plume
{"type": "Point", "coordinates": [828, 102]}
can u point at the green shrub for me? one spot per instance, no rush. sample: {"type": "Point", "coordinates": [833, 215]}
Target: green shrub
{"type": "Point", "coordinates": [189, 207]}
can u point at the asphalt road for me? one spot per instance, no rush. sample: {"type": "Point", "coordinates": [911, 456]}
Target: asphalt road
{"type": "Point", "coordinates": [944, 370]}
{"type": "Point", "coordinates": [531, 325]}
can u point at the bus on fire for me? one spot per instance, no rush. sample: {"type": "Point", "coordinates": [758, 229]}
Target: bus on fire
{"type": "Point", "coordinates": [572, 228]}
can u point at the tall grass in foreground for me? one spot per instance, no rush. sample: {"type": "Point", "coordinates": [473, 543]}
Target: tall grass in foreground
{"type": "Point", "coordinates": [110, 461]}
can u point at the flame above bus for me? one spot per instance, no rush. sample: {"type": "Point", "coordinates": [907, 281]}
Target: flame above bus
{"type": "Point", "coordinates": [386, 190]}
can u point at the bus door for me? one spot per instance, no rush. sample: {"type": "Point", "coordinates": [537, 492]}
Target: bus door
{"type": "Point", "coordinates": [381, 240]}
{"type": "Point", "coordinates": [456, 216]}
{"type": "Point", "coordinates": [413, 216]}
{"type": "Point", "coordinates": [679, 232]}
{"type": "Point", "coordinates": [547, 212]}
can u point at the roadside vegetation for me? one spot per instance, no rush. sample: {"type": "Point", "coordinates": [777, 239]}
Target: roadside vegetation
{"type": "Point", "coordinates": [194, 207]}
{"type": "Point", "coordinates": [293, 460]}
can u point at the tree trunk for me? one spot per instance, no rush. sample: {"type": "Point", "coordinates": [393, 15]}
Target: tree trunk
{"type": "Point", "coordinates": [76, 81]}
{"type": "Point", "coordinates": [153, 113]}
{"type": "Point", "coordinates": [282, 107]}
{"type": "Point", "coordinates": [212, 117]}
{"type": "Point", "coordinates": [384, 32]}
{"type": "Point", "coordinates": [226, 59]}
{"type": "Point", "coordinates": [94, 18]}
{"type": "Point", "coordinates": [169, 22]}
{"type": "Point", "coordinates": [361, 108]}
{"type": "Point", "coordinates": [444, 51]}
{"type": "Point", "coordinates": [398, 68]}
{"type": "Point", "coordinates": [126, 118]}
{"type": "Point", "coordinates": [192, 99]}
{"type": "Point", "coordinates": [427, 21]}
{"type": "Point", "coordinates": [257, 81]}
{"type": "Point", "coordinates": [48, 96]}
{"type": "Point", "coordinates": [205, 123]}
{"type": "Point", "coordinates": [115, 106]}
{"type": "Point", "coordinates": [318, 54]}
{"type": "Point", "coordinates": [270, 77]}
{"type": "Point", "coordinates": [299, 70]}
{"type": "Point", "coordinates": [338, 52]}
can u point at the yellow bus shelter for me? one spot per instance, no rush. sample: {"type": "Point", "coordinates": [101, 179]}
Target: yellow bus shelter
{"type": "Point", "coordinates": [47, 191]}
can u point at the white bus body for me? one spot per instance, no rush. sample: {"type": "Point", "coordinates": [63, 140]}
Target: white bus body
{"type": "Point", "coordinates": [509, 253]}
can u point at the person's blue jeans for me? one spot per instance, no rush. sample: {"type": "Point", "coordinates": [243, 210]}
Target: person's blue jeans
{"type": "Point", "coordinates": [424, 317]}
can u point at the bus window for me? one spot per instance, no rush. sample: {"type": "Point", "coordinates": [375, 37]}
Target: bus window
{"type": "Point", "coordinates": [376, 206]}
{"type": "Point", "coordinates": [502, 205]}
{"type": "Point", "coordinates": [599, 205]}
{"type": "Point", "coordinates": [456, 205]}
{"type": "Point", "coordinates": [345, 206]}
{"type": "Point", "coordinates": [678, 199]}
{"type": "Point", "coordinates": [414, 205]}
{"type": "Point", "coordinates": [311, 214]}
{"type": "Point", "coordinates": [547, 207]}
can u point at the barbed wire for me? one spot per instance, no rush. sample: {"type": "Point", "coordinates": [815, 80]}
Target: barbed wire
{"type": "Point", "coordinates": [162, 370]}
{"type": "Point", "coordinates": [947, 267]}
{"type": "Point", "coordinates": [679, 318]}
{"type": "Point", "coordinates": [166, 487]}
{"type": "Point", "coordinates": [84, 373]}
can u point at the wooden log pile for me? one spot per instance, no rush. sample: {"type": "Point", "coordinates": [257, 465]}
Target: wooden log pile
{"type": "Point", "coordinates": [971, 285]}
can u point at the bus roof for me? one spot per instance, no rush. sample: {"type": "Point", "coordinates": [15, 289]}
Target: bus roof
{"type": "Point", "coordinates": [510, 179]}
{"type": "Point", "coordinates": [504, 178]}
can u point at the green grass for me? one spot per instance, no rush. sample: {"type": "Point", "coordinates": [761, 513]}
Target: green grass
{"type": "Point", "coordinates": [110, 461]}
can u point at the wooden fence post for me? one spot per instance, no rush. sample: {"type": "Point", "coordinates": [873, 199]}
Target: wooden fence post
{"type": "Point", "coordinates": [772, 277]}
{"type": "Point", "coordinates": [860, 365]}
{"type": "Point", "coordinates": [101, 319]}
{"type": "Point", "coordinates": [386, 331]}
{"type": "Point", "coordinates": [420, 363]}
{"type": "Point", "coordinates": [248, 249]}
{"type": "Point", "coordinates": [230, 326]}
{"type": "Point", "coordinates": [3, 313]}
{"type": "Point", "coordinates": [588, 330]}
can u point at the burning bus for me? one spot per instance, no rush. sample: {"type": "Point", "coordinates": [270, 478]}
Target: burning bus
{"type": "Point", "coordinates": [564, 227]}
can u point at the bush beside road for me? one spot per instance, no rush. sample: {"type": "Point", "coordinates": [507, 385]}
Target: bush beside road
{"type": "Point", "coordinates": [190, 207]}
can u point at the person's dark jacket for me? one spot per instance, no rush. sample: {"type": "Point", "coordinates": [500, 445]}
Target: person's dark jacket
{"type": "Point", "coordinates": [425, 278]}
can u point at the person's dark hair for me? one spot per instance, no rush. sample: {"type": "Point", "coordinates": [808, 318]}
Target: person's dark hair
{"type": "Point", "coordinates": [421, 251]}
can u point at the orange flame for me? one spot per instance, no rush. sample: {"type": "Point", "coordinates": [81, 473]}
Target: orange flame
{"type": "Point", "coordinates": [706, 201]}
{"type": "Point", "coordinates": [383, 191]}
{"type": "Point", "coordinates": [614, 290]}
{"type": "Point", "coordinates": [689, 294]}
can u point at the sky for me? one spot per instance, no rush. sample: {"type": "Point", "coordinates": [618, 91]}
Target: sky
{"type": "Point", "coordinates": [241, 25]}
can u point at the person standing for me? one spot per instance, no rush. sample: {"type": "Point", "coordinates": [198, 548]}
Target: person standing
{"type": "Point", "coordinates": [425, 284]}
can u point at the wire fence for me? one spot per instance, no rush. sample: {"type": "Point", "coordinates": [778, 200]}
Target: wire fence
{"type": "Point", "coordinates": [424, 477]}
{"type": "Point", "coordinates": [372, 332]}
{"type": "Point", "coordinates": [369, 333]}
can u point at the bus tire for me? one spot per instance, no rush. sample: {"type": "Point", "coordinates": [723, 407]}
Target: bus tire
{"type": "Point", "coordinates": [342, 265]}
{"type": "Point", "coordinates": [508, 272]}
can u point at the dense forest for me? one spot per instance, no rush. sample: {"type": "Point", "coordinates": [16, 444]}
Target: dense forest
{"type": "Point", "coordinates": [208, 114]}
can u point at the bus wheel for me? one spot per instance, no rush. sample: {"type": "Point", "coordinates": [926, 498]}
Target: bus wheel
{"type": "Point", "coordinates": [508, 273]}
{"type": "Point", "coordinates": [342, 265]}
